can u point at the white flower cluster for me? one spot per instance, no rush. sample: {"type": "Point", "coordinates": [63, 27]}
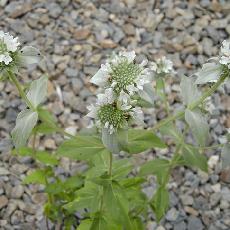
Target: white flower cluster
{"type": "Point", "coordinates": [225, 53]}
{"type": "Point", "coordinates": [162, 66]}
{"type": "Point", "coordinates": [212, 71]}
{"type": "Point", "coordinates": [120, 79]}
{"type": "Point", "coordinates": [8, 45]}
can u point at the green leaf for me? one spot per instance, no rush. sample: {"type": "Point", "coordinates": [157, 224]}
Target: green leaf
{"type": "Point", "coordinates": [189, 90]}
{"type": "Point", "coordinates": [44, 129]}
{"type": "Point", "coordinates": [198, 124]}
{"type": "Point", "coordinates": [147, 94]}
{"type": "Point", "coordinates": [158, 167]}
{"type": "Point", "coordinates": [192, 157]}
{"type": "Point", "coordinates": [81, 147]}
{"type": "Point", "coordinates": [85, 225]}
{"type": "Point", "coordinates": [225, 156]}
{"type": "Point", "coordinates": [160, 202]}
{"type": "Point", "coordinates": [170, 130]}
{"type": "Point", "coordinates": [38, 90]}
{"type": "Point", "coordinates": [154, 166]}
{"type": "Point", "coordinates": [47, 118]}
{"type": "Point", "coordinates": [87, 197]}
{"type": "Point", "coordinates": [25, 122]}
{"type": "Point", "coordinates": [23, 151]}
{"type": "Point", "coordinates": [46, 158]}
{"type": "Point", "coordinates": [138, 224]}
{"type": "Point", "coordinates": [116, 204]}
{"type": "Point", "coordinates": [160, 84]}
{"type": "Point", "coordinates": [141, 140]}
{"type": "Point", "coordinates": [36, 177]}
{"type": "Point", "coordinates": [210, 72]}
{"type": "Point", "coordinates": [121, 168]}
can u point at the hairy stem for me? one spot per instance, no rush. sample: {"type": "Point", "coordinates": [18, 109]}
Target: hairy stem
{"type": "Point", "coordinates": [192, 105]}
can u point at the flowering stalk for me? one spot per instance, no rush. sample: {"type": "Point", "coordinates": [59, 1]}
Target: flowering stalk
{"type": "Point", "coordinates": [192, 106]}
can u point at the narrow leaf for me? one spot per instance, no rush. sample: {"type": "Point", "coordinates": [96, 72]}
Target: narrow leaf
{"type": "Point", "coordinates": [160, 202]}
{"type": "Point", "coordinates": [189, 90]}
{"type": "Point", "coordinates": [38, 176]}
{"type": "Point", "coordinates": [110, 141]}
{"type": "Point", "coordinates": [141, 140]}
{"type": "Point", "coordinates": [25, 122]}
{"type": "Point", "coordinates": [81, 147]}
{"type": "Point", "coordinates": [198, 124]}
{"type": "Point", "coordinates": [193, 158]}
{"type": "Point", "coordinates": [210, 72]}
{"type": "Point", "coordinates": [38, 90]}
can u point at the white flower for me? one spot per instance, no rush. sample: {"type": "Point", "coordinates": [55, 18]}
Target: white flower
{"type": "Point", "coordinates": [92, 111]}
{"type": "Point", "coordinates": [8, 45]}
{"type": "Point", "coordinates": [130, 56]}
{"type": "Point", "coordinates": [106, 98]}
{"type": "Point", "coordinates": [137, 115]}
{"type": "Point", "coordinates": [124, 98]}
{"type": "Point", "coordinates": [162, 66]}
{"type": "Point", "coordinates": [225, 53]}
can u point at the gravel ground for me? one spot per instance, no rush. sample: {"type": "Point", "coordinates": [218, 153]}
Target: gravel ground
{"type": "Point", "coordinates": [76, 37]}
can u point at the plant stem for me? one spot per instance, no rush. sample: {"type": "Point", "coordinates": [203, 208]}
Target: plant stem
{"type": "Point", "coordinates": [21, 91]}
{"type": "Point", "coordinates": [30, 105]}
{"type": "Point", "coordinates": [165, 100]}
{"type": "Point", "coordinates": [110, 163]}
{"type": "Point", "coordinates": [192, 105]}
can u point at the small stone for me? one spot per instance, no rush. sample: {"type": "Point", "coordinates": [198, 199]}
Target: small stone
{"type": "Point", "coordinates": [186, 199]}
{"type": "Point", "coordinates": [172, 214]}
{"type": "Point", "coordinates": [191, 211]}
{"type": "Point", "coordinates": [180, 226]}
{"type": "Point", "coordinates": [50, 144]}
{"type": "Point", "coordinates": [108, 43]}
{"type": "Point", "coordinates": [225, 175]}
{"type": "Point", "coordinates": [54, 10]}
{"type": "Point", "coordinates": [4, 171]}
{"type": "Point", "coordinates": [160, 228]}
{"type": "Point", "coordinates": [213, 160]}
{"type": "Point", "coordinates": [16, 10]}
{"type": "Point", "coordinates": [71, 72]}
{"type": "Point", "coordinates": [39, 198]}
{"type": "Point", "coordinates": [17, 217]}
{"type": "Point", "coordinates": [3, 201]}
{"type": "Point", "coordinates": [82, 33]}
{"type": "Point", "coordinates": [216, 187]}
{"type": "Point", "coordinates": [195, 224]}
{"type": "Point", "coordinates": [215, 198]}
{"type": "Point", "coordinates": [17, 191]}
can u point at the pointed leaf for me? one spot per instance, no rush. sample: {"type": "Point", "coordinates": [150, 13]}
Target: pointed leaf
{"type": "Point", "coordinates": [198, 124]}
{"type": "Point", "coordinates": [160, 202]}
{"type": "Point", "coordinates": [38, 176]}
{"type": "Point", "coordinates": [193, 158]}
{"type": "Point", "coordinates": [189, 90]}
{"type": "Point", "coordinates": [140, 140]}
{"type": "Point", "coordinates": [38, 90]}
{"type": "Point", "coordinates": [25, 122]}
{"type": "Point", "coordinates": [210, 72]}
{"type": "Point", "coordinates": [81, 147]}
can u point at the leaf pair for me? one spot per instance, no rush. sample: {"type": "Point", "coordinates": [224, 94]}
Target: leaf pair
{"type": "Point", "coordinates": [27, 119]}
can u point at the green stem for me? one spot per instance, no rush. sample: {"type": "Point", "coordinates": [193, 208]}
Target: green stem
{"type": "Point", "coordinates": [192, 105]}
{"type": "Point", "coordinates": [110, 163]}
{"type": "Point", "coordinates": [165, 100]}
{"type": "Point", "coordinates": [21, 91]}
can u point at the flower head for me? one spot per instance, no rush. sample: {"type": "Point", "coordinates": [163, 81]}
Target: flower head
{"type": "Point", "coordinates": [225, 53]}
{"type": "Point", "coordinates": [121, 79]}
{"type": "Point", "coordinates": [162, 66]}
{"type": "Point", "coordinates": [8, 47]}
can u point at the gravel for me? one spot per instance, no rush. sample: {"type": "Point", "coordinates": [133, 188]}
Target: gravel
{"type": "Point", "coordinates": [76, 37]}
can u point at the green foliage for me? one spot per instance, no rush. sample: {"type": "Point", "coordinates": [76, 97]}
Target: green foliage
{"type": "Point", "coordinates": [160, 202]}
{"type": "Point", "coordinates": [141, 140]}
{"type": "Point", "coordinates": [192, 157]}
{"type": "Point", "coordinates": [38, 176]}
{"type": "Point", "coordinates": [198, 124]}
{"type": "Point", "coordinates": [81, 147]}
{"type": "Point", "coordinates": [25, 122]}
